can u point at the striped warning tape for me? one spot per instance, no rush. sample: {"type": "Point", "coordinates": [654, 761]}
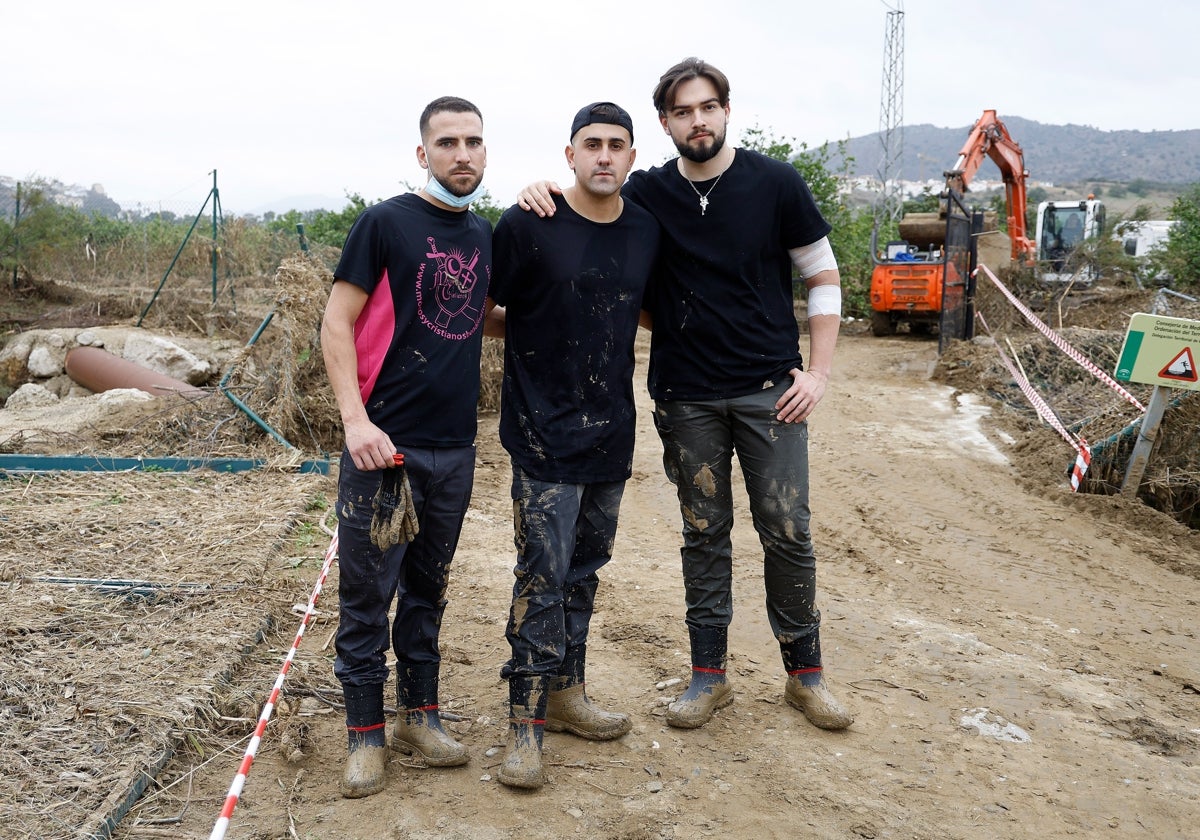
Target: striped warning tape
{"type": "Point", "coordinates": [239, 781]}
{"type": "Point", "coordinates": [1047, 414]}
{"type": "Point", "coordinates": [1082, 461]}
{"type": "Point", "coordinates": [1061, 343]}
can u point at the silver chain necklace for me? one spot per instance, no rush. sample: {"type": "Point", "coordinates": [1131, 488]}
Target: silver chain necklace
{"type": "Point", "coordinates": [704, 196]}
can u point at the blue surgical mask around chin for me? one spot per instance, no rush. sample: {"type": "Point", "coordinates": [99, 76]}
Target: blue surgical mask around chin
{"type": "Point", "coordinates": [434, 188]}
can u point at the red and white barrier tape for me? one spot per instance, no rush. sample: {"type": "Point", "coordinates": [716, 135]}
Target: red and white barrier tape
{"type": "Point", "coordinates": [239, 781]}
{"type": "Point", "coordinates": [1061, 343]}
{"type": "Point", "coordinates": [1082, 461]}
{"type": "Point", "coordinates": [1083, 451]}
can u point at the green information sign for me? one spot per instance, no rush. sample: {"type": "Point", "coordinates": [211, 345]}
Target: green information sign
{"type": "Point", "coordinates": [1160, 351]}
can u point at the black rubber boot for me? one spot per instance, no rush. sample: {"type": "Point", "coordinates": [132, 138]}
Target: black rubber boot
{"type": "Point", "coordinates": [366, 738]}
{"type": "Point", "coordinates": [527, 698]}
{"type": "Point", "coordinates": [569, 709]}
{"type": "Point", "coordinates": [708, 690]}
{"type": "Point", "coordinates": [418, 729]}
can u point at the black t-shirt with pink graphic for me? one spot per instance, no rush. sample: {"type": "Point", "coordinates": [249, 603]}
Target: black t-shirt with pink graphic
{"type": "Point", "coordinates": [418, 339]}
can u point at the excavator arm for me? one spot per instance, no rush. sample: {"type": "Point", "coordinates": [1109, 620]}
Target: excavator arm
{"type": "Point", "coordinates": [989, 137]}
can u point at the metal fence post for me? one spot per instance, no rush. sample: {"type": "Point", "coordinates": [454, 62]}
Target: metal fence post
{"type": "Point", "coordinates": [17, 237]}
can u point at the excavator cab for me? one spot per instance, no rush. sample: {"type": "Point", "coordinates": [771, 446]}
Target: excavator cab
{"type": "Point", "coordinates": [1062, 226]}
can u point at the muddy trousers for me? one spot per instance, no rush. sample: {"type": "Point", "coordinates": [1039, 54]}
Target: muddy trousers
{"type": "Point", "coordinates": [413, 574]}
{"type": "Point", "coordinates": [564, 534]}
{"type": "Point", "coordinates": [699, 441]}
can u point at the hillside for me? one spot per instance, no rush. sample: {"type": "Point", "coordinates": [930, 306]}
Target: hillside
{"type": "Point", "coordinates": [1053, 153]}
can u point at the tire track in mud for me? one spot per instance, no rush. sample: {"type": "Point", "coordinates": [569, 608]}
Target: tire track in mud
{"type": "Point", "coordinates": [984, 593]}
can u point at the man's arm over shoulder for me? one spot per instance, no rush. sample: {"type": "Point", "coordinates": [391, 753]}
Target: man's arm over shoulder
{"type": "Point", "coordinates": [493, 319]}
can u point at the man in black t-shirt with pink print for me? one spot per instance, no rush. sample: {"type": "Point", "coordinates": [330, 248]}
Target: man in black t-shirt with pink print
{"type": "Point", "coordinates": [401, 337]}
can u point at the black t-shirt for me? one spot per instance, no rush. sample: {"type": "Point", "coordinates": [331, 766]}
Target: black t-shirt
{"type": "Point", "coordinates": [724, 323]}
{"type": "Point", "coordinates": [418, 338]}
{"type": "Point", "coordinates": [572, 291]}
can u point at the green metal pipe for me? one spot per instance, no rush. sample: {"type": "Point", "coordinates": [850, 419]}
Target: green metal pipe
{"type": "Point", "coordinates": [17, 237]}
{"type": "Point", "coordinates": [258, 421]}
{"type": "Point", "coordinates": [215, 213]}
{"type": "Point", "coordinates": [174, 260]}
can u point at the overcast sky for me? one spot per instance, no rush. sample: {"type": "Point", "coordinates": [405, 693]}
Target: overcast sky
{"type": "Point", "coordinates": [309, 98]}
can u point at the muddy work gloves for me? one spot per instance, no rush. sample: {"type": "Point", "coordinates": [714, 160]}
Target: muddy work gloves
{"type": "Point", "coordinates": [395, 519]}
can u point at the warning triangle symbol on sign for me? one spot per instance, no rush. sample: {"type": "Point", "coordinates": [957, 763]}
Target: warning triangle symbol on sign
{"type": "Point", "coordinates": [1182, 367]}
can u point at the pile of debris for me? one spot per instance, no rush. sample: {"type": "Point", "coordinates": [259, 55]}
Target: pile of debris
{"type": "Point", "coordinates": [1087, 408]}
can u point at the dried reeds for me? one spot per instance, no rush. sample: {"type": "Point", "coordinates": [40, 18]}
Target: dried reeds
{"type": "Point", "coordinates": [128, 598]}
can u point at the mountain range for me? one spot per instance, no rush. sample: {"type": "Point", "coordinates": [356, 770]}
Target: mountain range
{"type": "Point", "coordinates": [1054, 154]}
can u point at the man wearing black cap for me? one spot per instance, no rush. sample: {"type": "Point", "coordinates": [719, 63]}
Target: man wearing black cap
{"type": "Point", "coordinates": [728, 379]}
{"type": "Point", "coordinates": [569, 290]}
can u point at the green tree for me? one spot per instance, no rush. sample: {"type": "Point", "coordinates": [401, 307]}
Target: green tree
{"type": "Point", "coordinates": [330, 228]}
{"type": "Point", "coordinates": [44, 231]}
{"type": "Point", "coordinates": [851, 235]}
{"type": "Point", "coordinates": [1181, 257]}
{"type": "Point", "coordinates": [488, 208]}
{"type": "Point", "coordinates": [927, 202]}
{"type": "Point", "coordinates": [1139, 187]}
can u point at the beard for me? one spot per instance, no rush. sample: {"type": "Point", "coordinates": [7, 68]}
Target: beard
{"type": "Point", "coordinates": [701, 154]}
{"type": "Point", "coordinates": [459, 188]}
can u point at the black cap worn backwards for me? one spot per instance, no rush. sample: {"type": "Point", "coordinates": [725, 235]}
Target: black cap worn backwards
{"type": "Point", "coordinates": [602, 112]}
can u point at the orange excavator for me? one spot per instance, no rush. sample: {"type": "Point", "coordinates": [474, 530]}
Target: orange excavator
{"type": "Point", "coordinates": [928, 271]}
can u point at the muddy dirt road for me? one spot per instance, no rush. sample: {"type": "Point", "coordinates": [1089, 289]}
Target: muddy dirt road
{"type": "Point", "coordinates": [1022, 662]}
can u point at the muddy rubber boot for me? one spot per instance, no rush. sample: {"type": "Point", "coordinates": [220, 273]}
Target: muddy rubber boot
{"type": "Point", "coordinates": [570, 710]}
{"type": "Point", "coordinates": [522, 767]}
{"type": "Point", "coordinates": [806, 689]}
{"type": "Point", "coordinates": [366, 765]}
{"type": "Point", "coordinates": [708, 690]}
{"type": "Point", "coordinates": [418, 731]}
{"type": "Point", "coordinates": [817, 702]}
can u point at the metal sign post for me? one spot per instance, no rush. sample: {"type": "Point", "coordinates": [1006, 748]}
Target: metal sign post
{"type": "Point", "coordinates": [1147, 433]}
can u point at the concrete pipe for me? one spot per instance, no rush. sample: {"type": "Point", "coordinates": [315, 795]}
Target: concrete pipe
{"type": "Point", "coordinates": [98, 370]}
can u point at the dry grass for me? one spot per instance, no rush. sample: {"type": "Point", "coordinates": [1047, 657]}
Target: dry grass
{"type": "Point", "coordinates": [128, 598]}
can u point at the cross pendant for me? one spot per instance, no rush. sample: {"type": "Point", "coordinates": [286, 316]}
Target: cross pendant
{"type": "Point", "coordinates": [703, 204]}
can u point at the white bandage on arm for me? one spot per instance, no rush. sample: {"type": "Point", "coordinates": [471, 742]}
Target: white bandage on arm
{"type": "Point", "coordinates": [825, 299]}
{"type": "Point", "coordinates": [811, 260]}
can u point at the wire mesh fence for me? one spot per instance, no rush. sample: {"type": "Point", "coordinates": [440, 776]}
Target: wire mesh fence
{"type": "Point", "coordinates": [53, 232]}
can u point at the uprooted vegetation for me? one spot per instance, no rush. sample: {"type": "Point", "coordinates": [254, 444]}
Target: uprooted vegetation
{"type": "Point", "coordinates": [131, 596]}
{"type": "Point", "coordinates": [1094, 322]}
{"type": "Point", "coordinates": [278, 374]}
{"type": "Point", "coordinates": [280, 377]}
